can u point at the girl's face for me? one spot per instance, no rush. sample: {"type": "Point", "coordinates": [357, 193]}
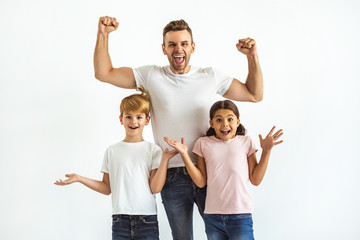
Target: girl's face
{"type": "Point", "coordinates": [225, 124]}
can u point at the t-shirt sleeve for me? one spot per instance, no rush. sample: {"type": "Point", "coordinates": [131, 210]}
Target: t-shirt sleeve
{"type": "Point", "coordinates": [223, 81]}
{"type": "Point", "coordinates": [105, 163]}
{"type": "Point", "coordinates": [197, 148]}
{"type": "Point", "coordinates": [141, 75]}
{"type": "Point", "coordinates": [252, 147]}
{"type": "Point", "coordinates": [156, 157]}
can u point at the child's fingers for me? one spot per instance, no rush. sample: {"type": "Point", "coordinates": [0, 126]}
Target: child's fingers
{"type": "Point", "coordinates": [271, 131]}
{"type": "Point", "coordinates": [59, 182]}
{"type": "Point", "coordinates": [260, 137]}
{"type": "Point", "coordinates": [277, 133]}
{"type": "Point", "coordinates": [278, 136]}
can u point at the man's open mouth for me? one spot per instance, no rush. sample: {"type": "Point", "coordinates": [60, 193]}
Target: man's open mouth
{"type": "Point", "coordinates": [179, 59]}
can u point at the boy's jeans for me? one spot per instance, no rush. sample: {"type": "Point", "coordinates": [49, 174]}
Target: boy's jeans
{"type": "Point", "coordinates": [229, 226]}
{"type": "Point", "coordinates": [142, 227]}
{"type": "Point", "coordinates": [178, 196]}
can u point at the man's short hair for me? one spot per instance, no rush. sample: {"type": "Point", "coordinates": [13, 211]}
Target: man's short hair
{"type": "Point", "coordinates": [177, 25]}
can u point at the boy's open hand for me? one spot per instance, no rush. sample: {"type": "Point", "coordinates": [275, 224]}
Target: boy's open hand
{"type": "Point", "coordinates": [270, 140]}
{"type": "Point", "coordinates": [71, 179]}
{"type": "Point", "coordinates": [180, 147]}
{"type": "Point", "coordinates": [169, 154]}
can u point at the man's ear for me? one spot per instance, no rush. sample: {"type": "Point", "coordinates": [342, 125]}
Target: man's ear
{"type": "Point", "coordinates": [163, 49]}
{"type": "Point", "coordinates": [193, 47]}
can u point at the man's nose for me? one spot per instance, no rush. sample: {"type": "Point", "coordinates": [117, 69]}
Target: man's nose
{"type": "Point", "coordinates": [178, 47]}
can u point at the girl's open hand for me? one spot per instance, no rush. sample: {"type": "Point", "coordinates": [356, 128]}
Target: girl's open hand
{"type": "Point", "coordinates": [71, 179]}
{"type": "Point", "coordinates": [180, 147]}
{"type": "Point", "coordinates": [270, 140]}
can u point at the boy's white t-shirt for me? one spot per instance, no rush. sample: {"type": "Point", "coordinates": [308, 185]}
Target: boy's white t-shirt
{"type": "Point", "coordinates": [129, 166]}
{"type": "Point", "coordinates": [180, 103]}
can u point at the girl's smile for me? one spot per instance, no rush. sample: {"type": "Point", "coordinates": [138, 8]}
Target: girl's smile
{"type": "Point", "coordinates": [225, 124]}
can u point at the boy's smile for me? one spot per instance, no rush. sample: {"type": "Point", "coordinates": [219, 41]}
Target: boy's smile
{"type": "Point", "coordinates": [134, 123]}
{"type": "Point", "coordinates": [225, 124]}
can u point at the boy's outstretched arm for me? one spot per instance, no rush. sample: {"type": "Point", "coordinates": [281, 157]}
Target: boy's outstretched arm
{"type": "Point", "coordinates": [196, 172]}
{"type": "Point", "coordinates": [98, 186]}
{"type": "Point", "coordinates": [121, 77]}
{"type": "Point", "coordinates": [158, 176]}
{"type": "Point", "coordinates": [257, 170]}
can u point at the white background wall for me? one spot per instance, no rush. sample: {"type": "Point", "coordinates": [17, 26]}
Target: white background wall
{"type": "Point", "coordinates": [56, 118]}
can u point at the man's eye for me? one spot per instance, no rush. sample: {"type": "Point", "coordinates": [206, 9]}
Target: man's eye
{"type": "Point", "coordinates": [184, 44]}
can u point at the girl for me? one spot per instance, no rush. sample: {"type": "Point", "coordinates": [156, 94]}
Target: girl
{"type": "Point", "coordinates": [226, 161]}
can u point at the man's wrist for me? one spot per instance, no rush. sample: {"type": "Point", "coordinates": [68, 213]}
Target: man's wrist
{"type": "Point", "coordinates": [103, 34]}
{"type": "Point", "coordinates": [254, 57]}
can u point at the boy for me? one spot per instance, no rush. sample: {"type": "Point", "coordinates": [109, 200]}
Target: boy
{"type": "Point", "coordinates": [134, 170]}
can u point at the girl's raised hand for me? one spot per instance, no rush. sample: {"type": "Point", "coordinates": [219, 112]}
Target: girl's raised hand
{"type": "Point", "coordinates": [71, 179]}
{"type": "Point", "coordinates": [270, 140]}
{"type": "Point", "coordinates": [180, 147]}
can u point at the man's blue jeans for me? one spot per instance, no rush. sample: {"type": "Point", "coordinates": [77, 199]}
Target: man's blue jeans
{"type": "Point", "coordinates": [141, 227]}
{"type": "Point", "coordinates": [178, 196]}
{"type": "Point", "coordinates": [229, 226]}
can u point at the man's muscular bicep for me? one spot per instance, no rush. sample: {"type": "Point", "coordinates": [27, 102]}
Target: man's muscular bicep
{"type": "Point", "coordinates": [238, 91]}
{"type": "Point", "coordinates": [122, 77]}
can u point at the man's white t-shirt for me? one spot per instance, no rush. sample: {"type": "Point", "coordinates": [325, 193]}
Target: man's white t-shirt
{"type": "Point", "coordinates": [129, 166]}
{"type": "Point", "coordinates": [180, 103]}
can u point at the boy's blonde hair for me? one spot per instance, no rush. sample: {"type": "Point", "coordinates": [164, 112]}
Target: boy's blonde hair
{"type": "Point", "coordinates": [139, 102]}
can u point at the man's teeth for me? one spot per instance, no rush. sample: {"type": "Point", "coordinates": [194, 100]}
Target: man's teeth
{"type": "Point", "coordinates": [178, 56]}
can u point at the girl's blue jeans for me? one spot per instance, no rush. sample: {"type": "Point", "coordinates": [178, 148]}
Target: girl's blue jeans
{"type": "Point", "coordinates": [229, 226]}
{"type": "Point", "coordinates": [137, 227]}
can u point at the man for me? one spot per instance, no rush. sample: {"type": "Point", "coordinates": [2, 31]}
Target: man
{"type": "Point", "coordinates": [181, 96]}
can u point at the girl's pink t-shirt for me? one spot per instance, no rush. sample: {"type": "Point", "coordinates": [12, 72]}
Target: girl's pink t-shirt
{"type": "Point", "coordinates": [227, 173]}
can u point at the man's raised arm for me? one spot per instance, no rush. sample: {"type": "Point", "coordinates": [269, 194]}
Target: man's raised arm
{"type": "Point", "coordinates": [121, 77]}
{"type": "Point", "coordinates": [252, 90]}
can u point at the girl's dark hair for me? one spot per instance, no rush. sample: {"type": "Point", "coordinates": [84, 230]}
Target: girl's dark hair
{"type": "Point", "coordinates": [226, 104]}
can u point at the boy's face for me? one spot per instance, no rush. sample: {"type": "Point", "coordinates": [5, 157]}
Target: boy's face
{"type": "Point", "coordinates": [134, 123]}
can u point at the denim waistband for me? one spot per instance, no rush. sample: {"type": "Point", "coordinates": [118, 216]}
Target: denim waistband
{"type": "Point", "coordinates": [178, 170]}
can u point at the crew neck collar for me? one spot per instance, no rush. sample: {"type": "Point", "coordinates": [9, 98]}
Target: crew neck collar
{"type": "Point", "coordinates": [219, 140]}
{"type": "Point", "coordinates": [168, 69]}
